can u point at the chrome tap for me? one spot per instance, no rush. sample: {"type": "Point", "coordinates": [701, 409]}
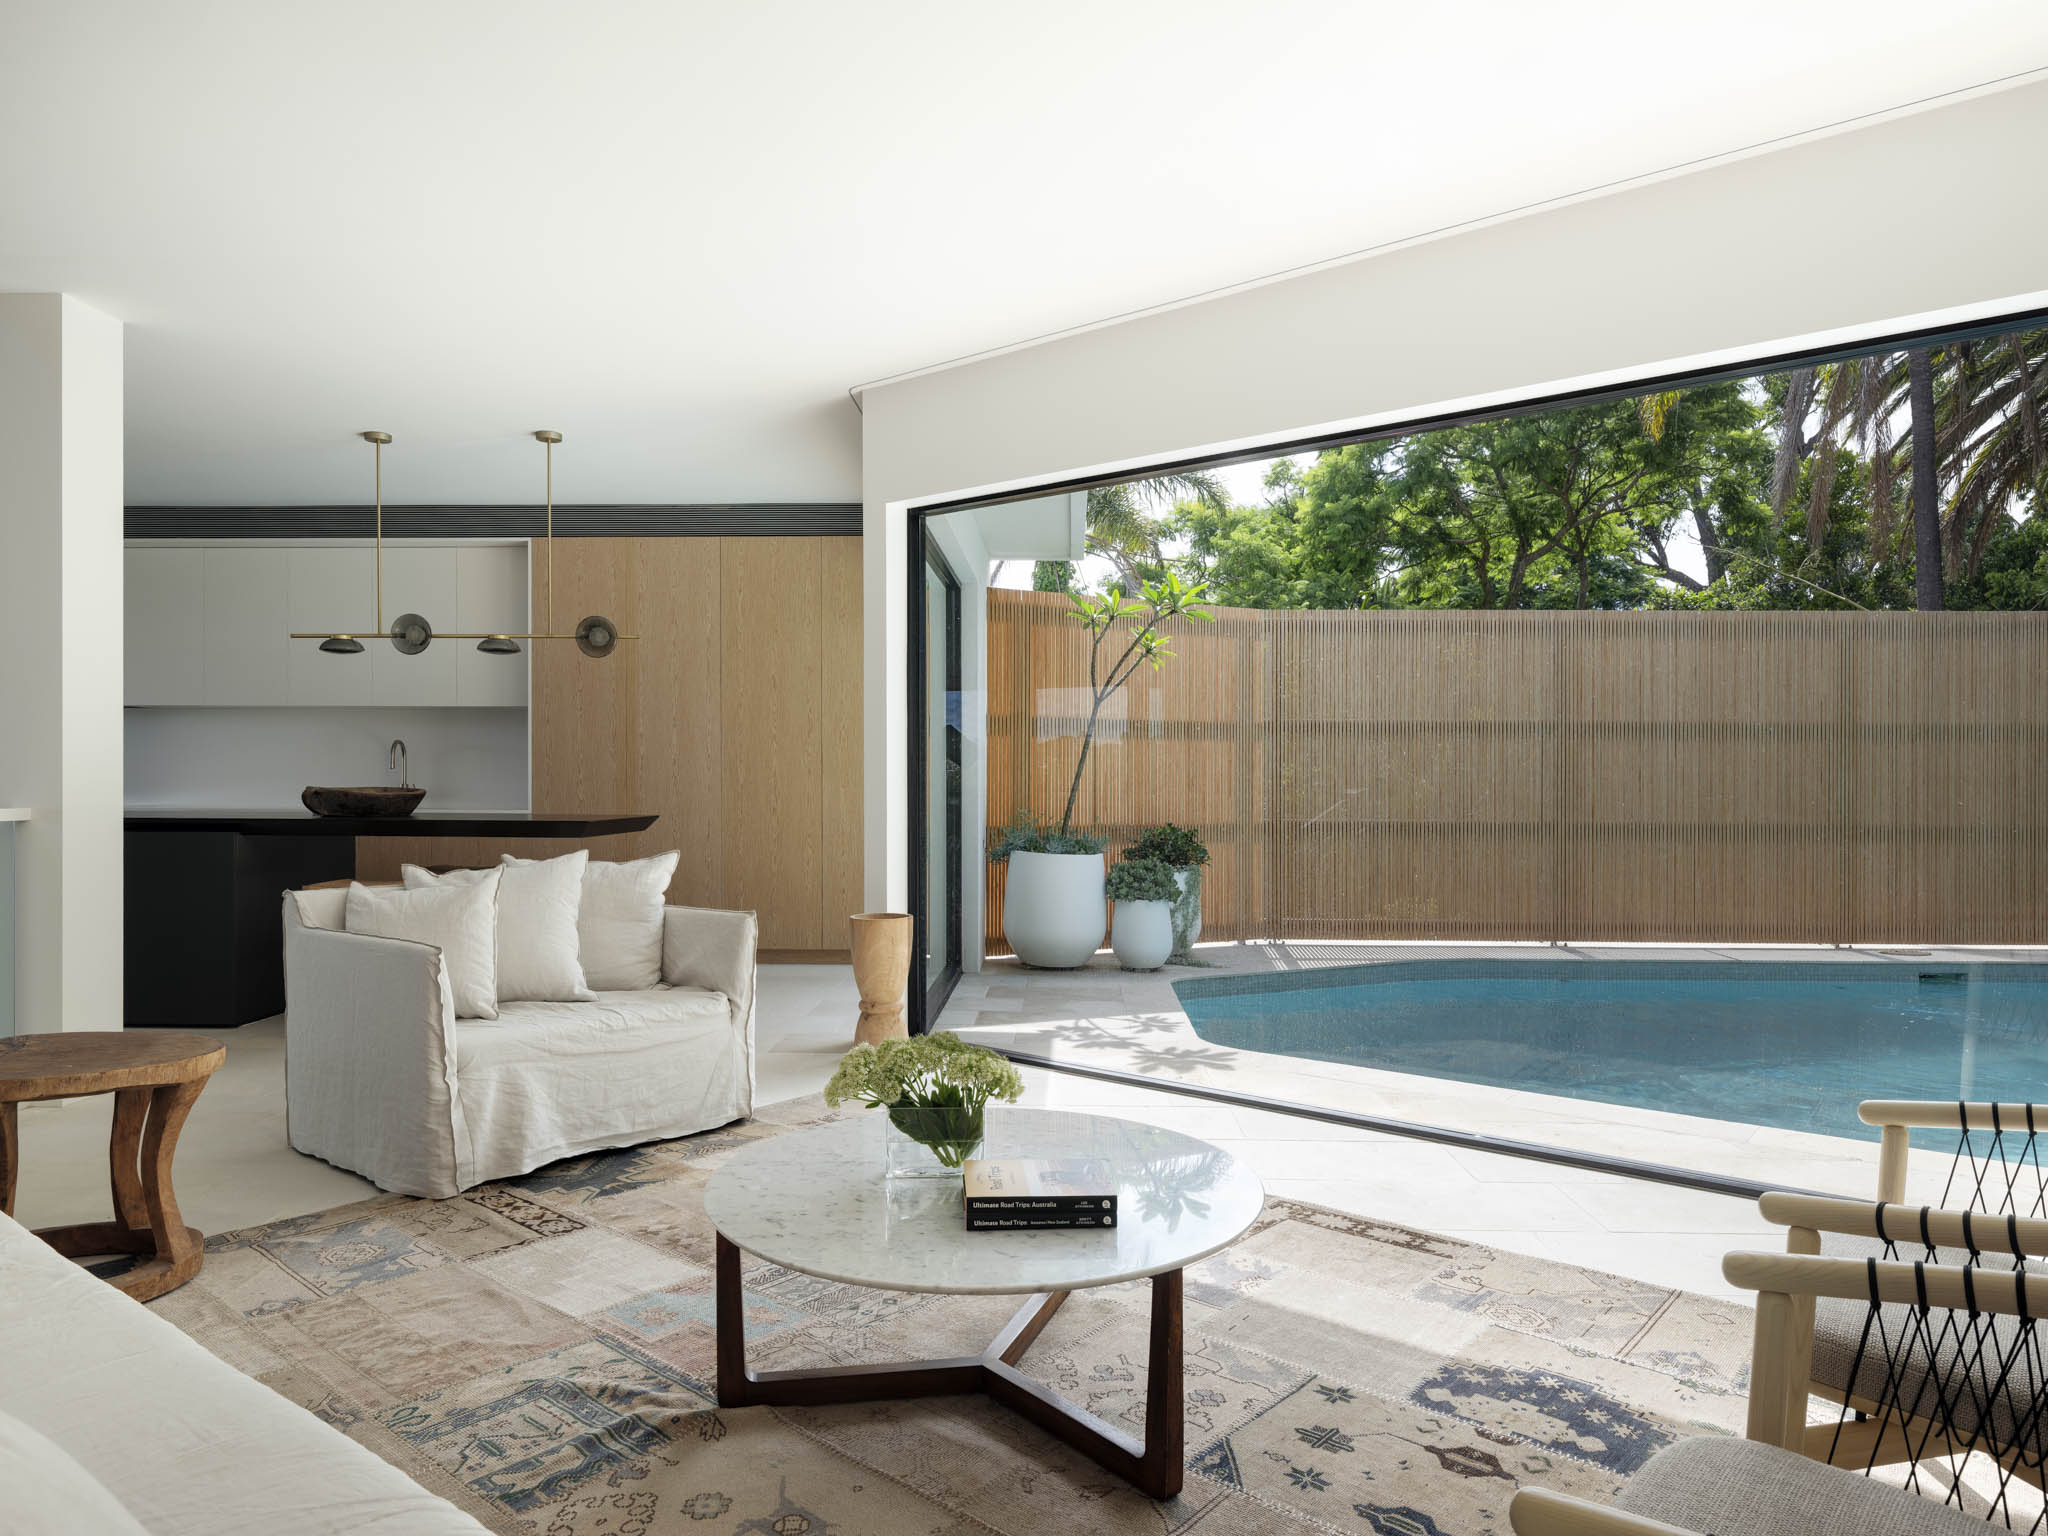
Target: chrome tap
{"type": "Point", "coordinates": [397, 760]}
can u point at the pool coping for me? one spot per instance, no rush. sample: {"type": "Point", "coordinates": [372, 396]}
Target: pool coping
{"type": "Point", "coordinates": [1551, 968]}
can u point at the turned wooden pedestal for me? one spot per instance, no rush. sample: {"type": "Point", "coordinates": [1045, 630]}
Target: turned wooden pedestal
{"type": "Point", "coordinates": [155, 1079]}
{"type": "Point", "coordinates": [881, 970]}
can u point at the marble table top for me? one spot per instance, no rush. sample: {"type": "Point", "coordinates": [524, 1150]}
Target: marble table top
{"type": "Point", "coordinates": [817, 1201]}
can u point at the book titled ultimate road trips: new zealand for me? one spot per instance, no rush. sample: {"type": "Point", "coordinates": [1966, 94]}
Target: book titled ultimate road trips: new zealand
{"type": "Point", "coordinates": [1005, 1193]}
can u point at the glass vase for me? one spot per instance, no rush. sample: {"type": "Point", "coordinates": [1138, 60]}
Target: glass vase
{"type": "Point", "coordinates": [931, 1143]}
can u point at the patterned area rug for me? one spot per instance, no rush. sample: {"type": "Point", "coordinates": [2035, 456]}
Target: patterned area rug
{"type": "Point", "coordinates": [540, 1352]}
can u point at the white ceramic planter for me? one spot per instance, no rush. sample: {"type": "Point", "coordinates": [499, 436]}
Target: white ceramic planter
{"type": "Point", "coordinates": [1143, 934]}
{"type": "Point", "coordinates": [1052, 908]}
{"type": "Point", "coordinates": [1187, 910]}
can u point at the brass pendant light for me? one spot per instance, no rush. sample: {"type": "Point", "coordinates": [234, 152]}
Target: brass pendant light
{"type": "Point", "coordinates": [596, 636]}
{"type": "Point", "coordinates": [410, 633]}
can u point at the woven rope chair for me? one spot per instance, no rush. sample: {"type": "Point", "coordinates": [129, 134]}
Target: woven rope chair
{"type": "Point", "coordinates": [1996, 1166]}
{"type": "Point", "coordinates": [1997, 1191]}
{"type": "Point", "coordinates": [1960, 1366]}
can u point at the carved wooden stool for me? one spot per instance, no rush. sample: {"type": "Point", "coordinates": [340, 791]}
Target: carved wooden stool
{"type": "Point", "coordinates": [155, 1077]}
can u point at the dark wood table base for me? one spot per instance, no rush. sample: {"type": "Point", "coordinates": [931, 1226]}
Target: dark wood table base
{"type": "Point", "coordinates": [1154, 1466]}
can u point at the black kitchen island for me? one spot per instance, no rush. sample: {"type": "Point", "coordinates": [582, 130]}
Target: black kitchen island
{"type": "Point", "coordinates": [205, 942]}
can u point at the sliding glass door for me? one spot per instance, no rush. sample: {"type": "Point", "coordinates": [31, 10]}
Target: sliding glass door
{"type": "Point", "coordinates": [939, 926]}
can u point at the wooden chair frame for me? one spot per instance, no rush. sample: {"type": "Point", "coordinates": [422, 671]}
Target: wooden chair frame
{"type": "Point", "coordinates": [1781, 1364]}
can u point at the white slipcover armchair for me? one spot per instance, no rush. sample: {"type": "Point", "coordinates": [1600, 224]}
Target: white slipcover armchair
{"type": "Point", "coordinates": [381, 1078]}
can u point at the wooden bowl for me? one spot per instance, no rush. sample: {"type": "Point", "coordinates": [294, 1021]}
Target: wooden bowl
{"type": "Point", "coordinates": [360, 800]}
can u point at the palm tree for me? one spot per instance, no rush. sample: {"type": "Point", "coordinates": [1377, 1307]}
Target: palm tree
{"type": "Point", "coordinates": [1864, 400]}
{"type": "Point", "coordinates": [1122, 530]}
{"type": "Point", "coordinates": [1992, 442]}
{"type": "Point", "coordinates": [1971, 413]}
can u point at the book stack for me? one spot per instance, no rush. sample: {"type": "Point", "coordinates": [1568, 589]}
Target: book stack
{"type": "Point", "coordinates": [1003, 1194]}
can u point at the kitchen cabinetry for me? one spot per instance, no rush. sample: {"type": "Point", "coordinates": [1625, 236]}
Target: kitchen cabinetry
{"type": "Point", "coordinates": [207, 624]}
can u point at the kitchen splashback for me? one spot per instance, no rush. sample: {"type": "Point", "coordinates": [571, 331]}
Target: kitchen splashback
{"type": "Point", "coordinates": [259, 759]}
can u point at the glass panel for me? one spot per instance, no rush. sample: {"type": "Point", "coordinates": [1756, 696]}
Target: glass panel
{"type": "Point", "coordinates": [942, 773]}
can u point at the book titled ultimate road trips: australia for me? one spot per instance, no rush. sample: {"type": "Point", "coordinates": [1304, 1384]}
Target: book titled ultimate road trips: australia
{"type": "Point", "coordinates": [1002, 1194]}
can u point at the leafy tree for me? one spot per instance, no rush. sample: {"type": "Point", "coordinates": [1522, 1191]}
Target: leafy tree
{"type": "Point", "coordinates": [1109, 669]}
{"type": "Point", "coordinates": [1052, 576]}
{"type": "Point", "coordinates": [1596, 506]}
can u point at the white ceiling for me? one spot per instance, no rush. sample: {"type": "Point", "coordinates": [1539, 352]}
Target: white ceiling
{"type": "Point", "coordinates": [679, 231]}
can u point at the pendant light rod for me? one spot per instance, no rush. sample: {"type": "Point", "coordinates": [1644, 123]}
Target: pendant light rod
{"type": "Point", "coordinates": [549, 439]}
{"type": "Point", "coordinates": [377, 440]}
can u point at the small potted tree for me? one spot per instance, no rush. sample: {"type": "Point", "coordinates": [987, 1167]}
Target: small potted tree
{"type": "Point", "coordinates": [1053, 914]}
{"type": "Point", "coordinates": [1181, 850]}
{"type": "Point", "coordinates": [1142, 935]}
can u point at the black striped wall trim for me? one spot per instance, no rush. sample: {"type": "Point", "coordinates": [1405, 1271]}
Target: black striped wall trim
{"type": "Point", "coordinates": [827, 519]}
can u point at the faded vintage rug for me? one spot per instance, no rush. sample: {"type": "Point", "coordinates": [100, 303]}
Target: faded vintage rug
{"type": "Point", "coordinates": [540, 1352]}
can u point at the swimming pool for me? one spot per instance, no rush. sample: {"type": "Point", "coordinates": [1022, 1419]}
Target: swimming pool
{"type": "Point", "coordinates": [1769, 1043]}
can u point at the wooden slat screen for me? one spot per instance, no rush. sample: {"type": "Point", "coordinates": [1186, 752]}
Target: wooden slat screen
{"type": "Point", "coordinates": [1739, 777]}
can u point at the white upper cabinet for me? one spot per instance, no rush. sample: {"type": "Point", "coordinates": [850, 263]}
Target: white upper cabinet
{"type": "Point", "coordinates": [164, 597]}
{"type": "Point", "coordinates": [491, 598]}
{"type": "Point", "coordinates": [210, 624]}
{"type": "Point", "coordinates": [332, 591]}
{"type": "Point", "coordinates": [242, 659]}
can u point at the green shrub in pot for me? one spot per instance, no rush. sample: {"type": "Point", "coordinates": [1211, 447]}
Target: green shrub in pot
{"type": "Point", "coordinates": [1144, 891]}
{"type": "Point", "coordinates": [1182, 850]}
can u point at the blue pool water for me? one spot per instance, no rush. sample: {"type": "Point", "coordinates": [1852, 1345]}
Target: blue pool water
{"type": "Point", "coordinates": [1794, 1045]}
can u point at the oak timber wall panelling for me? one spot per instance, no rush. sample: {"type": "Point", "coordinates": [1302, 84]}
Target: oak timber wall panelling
{"type": "Point", "coordinates": [735, 717]}
{"type": "Point", "coordinates": [681, 739]}
{"type": "Point", "coordinates": [1760, 777]}
{"type": "Point", "coordinates": [773, 639]}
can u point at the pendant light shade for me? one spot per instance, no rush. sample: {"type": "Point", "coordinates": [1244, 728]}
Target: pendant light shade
{"type": "Point", "coordinates": [597, 636]}
{"type": "Point", "coordinates": [411, 634]}
{"type": "Point", "coordinates": [498, 645]}
{"type": "Point", "coordinates": [342, 645]}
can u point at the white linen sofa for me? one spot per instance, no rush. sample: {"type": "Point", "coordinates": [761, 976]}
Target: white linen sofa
{"type": "Point", "coordinates": [188, 1444]}
{"type": "Point", "coordinates": [381, 1078]}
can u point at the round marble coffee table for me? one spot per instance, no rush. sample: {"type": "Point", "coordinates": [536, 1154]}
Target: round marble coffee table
{"type": "Point", "coordinates": [817, 1201]}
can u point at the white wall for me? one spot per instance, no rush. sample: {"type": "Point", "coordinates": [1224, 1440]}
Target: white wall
{"type": "Point", "coordinates": [259, 759]}
{"type": "Point", "coordinates": [1043, 528]}
{"type": "Point", "coordinates": [1737, 259]}
{"type": "Point", "coordinates": [60, 654]}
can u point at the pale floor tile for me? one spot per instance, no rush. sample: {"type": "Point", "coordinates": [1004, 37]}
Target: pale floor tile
{"type": "Point", "coordinates": [1634, 1205]}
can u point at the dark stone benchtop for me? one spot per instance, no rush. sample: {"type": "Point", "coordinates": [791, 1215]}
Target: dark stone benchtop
{"type": "Point", "coordinates": [427, 823]}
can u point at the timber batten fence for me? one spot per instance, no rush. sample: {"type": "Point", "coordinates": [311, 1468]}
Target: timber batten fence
{"type": "Point", "coordinates": [1712, 777]}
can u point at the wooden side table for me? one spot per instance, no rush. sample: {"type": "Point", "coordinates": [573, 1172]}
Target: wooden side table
{"type": "Point", "coordinates": [155, 1077]}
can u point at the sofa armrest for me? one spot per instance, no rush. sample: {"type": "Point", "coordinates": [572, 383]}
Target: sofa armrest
{"type": "Point", "coordinates": [1539, 1512]}
{"type": "Point", "coordinates": [704, 947]}
{"type": "Point", "coordinates": [370, 1057]}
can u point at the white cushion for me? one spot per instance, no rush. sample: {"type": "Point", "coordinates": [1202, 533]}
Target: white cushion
{"type": "Point", "coordinates": [49, 1494]}
{"type": "Point", "coordinates": [190, 1445]}
{"type": "Point", "coordinates": [620, 924]}
{"type": "Point", "coordinates": [538, 903]}
{"type": "Point", "coordinates": [460, 920]}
